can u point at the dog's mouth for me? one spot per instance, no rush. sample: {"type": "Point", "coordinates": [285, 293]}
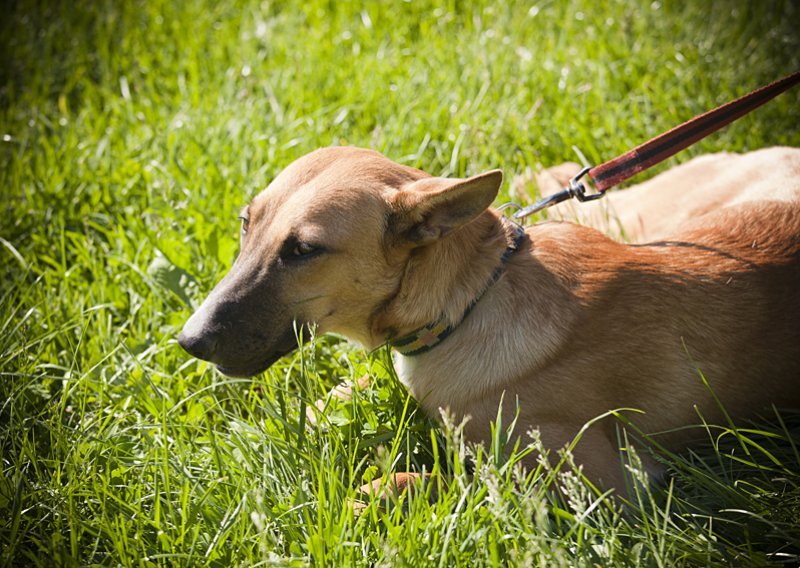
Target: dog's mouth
{"type": "Point", "coordinates": [288, 343]}
{"type": "Point", "coordinates": [242, 354]}
{"type": "Point", "coordinates": [251, 370]}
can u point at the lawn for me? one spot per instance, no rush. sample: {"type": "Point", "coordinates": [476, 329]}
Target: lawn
{"type": "Point", "coordinates": [132, 133]}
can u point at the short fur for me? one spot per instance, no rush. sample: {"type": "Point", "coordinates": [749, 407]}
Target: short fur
{"type": "Point", "coordinates": [578, 325]}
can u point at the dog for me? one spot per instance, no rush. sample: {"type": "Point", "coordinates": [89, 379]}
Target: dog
{"type": "Point", "coordinates": [557, 322]}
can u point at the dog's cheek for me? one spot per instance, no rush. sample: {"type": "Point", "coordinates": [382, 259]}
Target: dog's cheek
{"type": "Point", "coordinates": [317, 294]}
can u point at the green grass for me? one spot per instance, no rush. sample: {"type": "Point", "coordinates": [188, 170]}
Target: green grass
{"type": "Point", "coordinates": [132, 132]}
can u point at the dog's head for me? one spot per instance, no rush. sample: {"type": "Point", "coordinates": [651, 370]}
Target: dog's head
{"type": "Point", "coordinates": [326, 245]}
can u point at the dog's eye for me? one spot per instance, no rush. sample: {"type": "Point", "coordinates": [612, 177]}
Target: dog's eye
{"type": "Point", "coordinates": [244, 217]}
{"type": "Point", "coordinates": [303, 249]}
{"type": "Point", "coordinates": [295, 250]}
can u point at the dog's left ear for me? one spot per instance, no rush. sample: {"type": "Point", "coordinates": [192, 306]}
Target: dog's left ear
{"type": "Point", "coordinates": [429, 208]}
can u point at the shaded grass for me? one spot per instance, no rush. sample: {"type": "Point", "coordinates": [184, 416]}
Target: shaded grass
{"type": "Point", "coordinates": [131, 135]}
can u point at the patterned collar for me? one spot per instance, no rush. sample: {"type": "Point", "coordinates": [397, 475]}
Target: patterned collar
{"type": "Point", "coordinates": [429, 336]}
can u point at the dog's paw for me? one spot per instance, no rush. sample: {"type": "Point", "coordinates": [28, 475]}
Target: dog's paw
{"type": "Point", "coordinates": [343, 391]}
{"type": "Point", "coordinates": [394, 486]}
{"type": "Point", "coordinates": [389, 491]}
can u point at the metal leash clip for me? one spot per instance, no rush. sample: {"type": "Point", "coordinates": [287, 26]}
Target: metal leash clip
{"type": "Point", "coordinates": [574, 189]}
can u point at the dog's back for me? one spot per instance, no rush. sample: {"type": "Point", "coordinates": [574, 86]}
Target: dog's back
{"type": "Point", "coordinates": [749, 287]}
{"type": "Point", "coordinates": [655, 208]}
{"type": "Point", "coordinates": [722, 283]}
{"type": "Point", "coordinates": [725, 286]}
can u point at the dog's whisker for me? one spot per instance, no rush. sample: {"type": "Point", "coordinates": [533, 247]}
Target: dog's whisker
{"type": "Point", "coordinates": [308, 300]}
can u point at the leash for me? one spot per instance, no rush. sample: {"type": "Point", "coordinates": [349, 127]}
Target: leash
{"type": "Point", "coordinates": [661, 147]}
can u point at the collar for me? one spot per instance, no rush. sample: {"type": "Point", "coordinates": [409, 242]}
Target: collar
{"type": "Point", "coordinates": [428, 336]}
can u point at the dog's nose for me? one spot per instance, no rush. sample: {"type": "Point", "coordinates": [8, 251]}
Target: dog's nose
{"type": "Point", "coordinates": [203, 345]}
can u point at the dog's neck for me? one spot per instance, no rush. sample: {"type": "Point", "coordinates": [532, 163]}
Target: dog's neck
{"type": "Point", "coordinates": [441, 280]}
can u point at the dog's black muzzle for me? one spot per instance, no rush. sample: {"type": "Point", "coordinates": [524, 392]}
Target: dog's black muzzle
{"type": "Point", "coordinates": [240, 327]}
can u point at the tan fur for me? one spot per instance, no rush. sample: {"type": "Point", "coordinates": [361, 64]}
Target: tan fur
{"type": "Point", "coordinates": [578, 325]}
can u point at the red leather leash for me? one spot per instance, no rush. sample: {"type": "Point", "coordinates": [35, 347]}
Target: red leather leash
{"type": "Point", "coordinates": [663, 146]}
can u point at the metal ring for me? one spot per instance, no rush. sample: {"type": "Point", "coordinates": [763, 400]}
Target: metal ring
{"type": "Point", "coordinates": [505, 206]}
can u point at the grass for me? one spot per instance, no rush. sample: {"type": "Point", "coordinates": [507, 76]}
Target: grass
{"type": "Point", "coordinates": [131, 134]}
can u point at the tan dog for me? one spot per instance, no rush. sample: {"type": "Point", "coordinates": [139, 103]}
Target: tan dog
{"type": "Point", "coordinates": [561, 320]}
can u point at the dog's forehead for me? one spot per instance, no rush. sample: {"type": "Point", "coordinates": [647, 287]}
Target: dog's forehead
{"type": "Point", "coordinates": [333, 177]}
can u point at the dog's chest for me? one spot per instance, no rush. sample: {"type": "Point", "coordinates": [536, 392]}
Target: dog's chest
{"type": "Point", "coordinates": [427, 383]}
{"type": "Point", "coordinates": [404, 366]}
{"type": "Point", "coordinates": [443, 380]}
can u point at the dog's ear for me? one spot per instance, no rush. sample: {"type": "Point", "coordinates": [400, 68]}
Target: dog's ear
{"type": "Point", "coordinates": [429, 208]}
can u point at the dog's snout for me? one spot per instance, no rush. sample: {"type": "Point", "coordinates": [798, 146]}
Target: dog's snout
{"type": "Point", "coordinates": [200, 345]}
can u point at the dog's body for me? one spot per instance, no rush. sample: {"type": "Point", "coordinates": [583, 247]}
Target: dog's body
{"type": "Point", "coordinates": [577, 325]}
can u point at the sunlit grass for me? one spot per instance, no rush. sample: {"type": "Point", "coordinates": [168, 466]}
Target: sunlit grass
{"type": "Point", "coordinates": [130, 135]}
